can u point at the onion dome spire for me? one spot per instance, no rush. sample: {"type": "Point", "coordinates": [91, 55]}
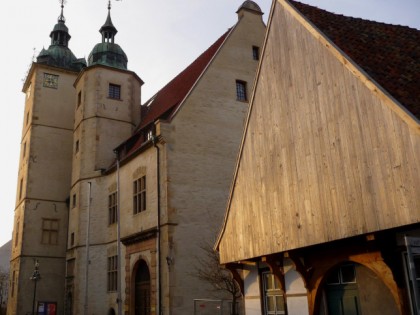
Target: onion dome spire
{"type": "Point", "coordinates": [108, 30]}
{"type": "Point", "coordinates": [107, 52]}
{"type": "Point", "coordinates": [58, 54]}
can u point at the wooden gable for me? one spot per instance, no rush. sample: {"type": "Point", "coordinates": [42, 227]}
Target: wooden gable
{"type": "Point", "coordinates": [326, 154]}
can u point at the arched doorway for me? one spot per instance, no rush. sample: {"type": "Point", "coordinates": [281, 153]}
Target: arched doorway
{"type": "Point", "coordinates": [353, 289]}
{"type": "Point", "coordinates": [142, 289]}
{"type": "Point", "coordinates": [111, 311]}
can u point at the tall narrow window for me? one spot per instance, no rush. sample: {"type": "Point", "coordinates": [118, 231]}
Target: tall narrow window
{"type": "Point", "coordinates": [114, 91]}
{"type": "Point", "coordinates": [50, 231]}
{"type": "Point", "coordinates": [20, 188]}
{"type": "Point", "coordinates": [27, 118]}
{"type": "Point", "coordinates": [112, 273]}
{"type": "Point", "coordinates": [255, 53]}
{"type": "Point", "coordinates": [76, 147]}
{"type": "Point", "coordinates": [241, 90]}
{"type": "Point", "coordinates": [74, 200]}
{"type": "Point", "coordinates": [274, 303]}
{"type": "Point", "coordinates": [112, 208]}
{"type": "Point", "coordinates": [24, 150]}
{"type": "Point", "coordinates": [79, 98]}
{"type": "Point", "coordinates": [72, 239]}
{"type": "Point", "coordinates": [13, 283]}
{"type": "Point", "coordinates": [17, 233]}
{"type": "Point", "coordinates": [139, 198]}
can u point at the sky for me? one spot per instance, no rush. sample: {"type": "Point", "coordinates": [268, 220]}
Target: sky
{"type": "Point", "coordinates": [160, 38]}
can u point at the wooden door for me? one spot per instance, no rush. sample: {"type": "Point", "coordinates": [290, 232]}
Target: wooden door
{"type": "Point", "coordinates": [142, 290]}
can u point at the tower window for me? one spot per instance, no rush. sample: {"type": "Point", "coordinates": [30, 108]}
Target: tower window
{"type": "Point", "coordinates": [50, 231]}
{"type": "Point", "coordinates": [255, 53]}
{"type": "Point", "coordinates": [20, 188]}
{"type": "Point", "coordinates": [72, 239]}
{"type": "Point", "coordinates": [241, 91]}
{"type": "Point", "coordinates": [76, 146]}
{"type": "Point", "coordinates": [114, 91]}
{"type": "Point", "coordinates": [74, 200]}
{"type": "Point", "coordinates": [79, 98]}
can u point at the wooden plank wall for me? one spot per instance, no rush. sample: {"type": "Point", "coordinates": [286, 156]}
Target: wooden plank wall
{"type": "Point", "coordinates": [323, 157]}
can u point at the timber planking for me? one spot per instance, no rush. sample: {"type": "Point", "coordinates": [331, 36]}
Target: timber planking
{"type": "Point", "coordinates": [326, 154]}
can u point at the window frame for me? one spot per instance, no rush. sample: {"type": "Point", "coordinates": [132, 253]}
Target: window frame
{"type": "Point", "coordinates": [273, 291]}
{"type": "Point", "coordinates": [114, 91]}
{"type": "Point", "coordinates": [241, 91]}
{"type": "Point", "coordinates": [50, 231]}
{"type": "Point", "coordinates": [139, 195]}
{"type": "Point", "coordinates": [112, 273]}
{"type": "Point", "coordinates": [112, 208]}
{"type": "Point", "coordinates": [256, 53]}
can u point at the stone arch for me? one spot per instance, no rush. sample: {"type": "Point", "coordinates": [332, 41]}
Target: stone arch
{"type": "Point", "coordinates": [141, 287]}
{"type": "Point", "coordinates": [111, 311]}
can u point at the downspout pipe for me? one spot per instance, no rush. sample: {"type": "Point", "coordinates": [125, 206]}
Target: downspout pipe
{"type": "Point", "coordinates": [155, 141]}
{"type": "Point", "coordinates": [119, 298]}
{"type": "Point", "coordinates": [86, 307]}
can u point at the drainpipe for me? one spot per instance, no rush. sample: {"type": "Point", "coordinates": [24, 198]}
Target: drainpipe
{"type": "Point", "coordinates": [155, 140]}
{"type": "Point", "coordinates": [86, 308]}
{"type": "Point", "coordinates": [119, 299]}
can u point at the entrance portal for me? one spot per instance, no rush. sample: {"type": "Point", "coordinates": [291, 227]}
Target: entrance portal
{"type": "Point", "coordinates": [142, 289]}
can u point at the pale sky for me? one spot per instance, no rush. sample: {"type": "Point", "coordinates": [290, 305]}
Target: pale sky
{"type": "Point", "coordinates": [160, 38]}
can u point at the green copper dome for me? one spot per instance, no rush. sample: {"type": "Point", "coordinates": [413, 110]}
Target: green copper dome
{"type": "Point", "coordinates": [108, 53]}
{"type": "Point", "coordinates": [58, 53]}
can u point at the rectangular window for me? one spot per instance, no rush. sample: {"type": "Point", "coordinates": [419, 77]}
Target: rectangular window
{"type": "Point", "coordinates": [255, 53]}
{"type": "Point", "coordinates": [112, 208]}
{"type": "Point", "coordinates": [79, 98]}
{"type": "Point", "coordinates": [72, 239]}
{"type": "Point", "coordinates": [24, 150]}
{"type": "Point", "coordinates": [112, 273]}
{"type": "Point", "coordinates": [20, 188]}
{"type": "Point", "coordinates": [17, 234]}
{"type": "Point", "coordinates": [241, 91]}
{"type": "Point", "coordinates": [74, 199]}
{"type": "Point", "coordinates": [76, 147]}
{"type": "Point", "coordinates": [139, 198]}
{"type": "Point", "coordinates": [274, 303]}
{"type": "Point", "coordinates": [27, 118]}
{"type": "Point", "coordinates": [114, 91]}
{"type": "Point", "coordinates": [50, 231]}
{"type": "Point", "coordinates": [13, 283]}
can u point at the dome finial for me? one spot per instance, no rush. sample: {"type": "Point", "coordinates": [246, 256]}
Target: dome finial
{"type": "Point", "coordinates": [109, 5]}
{"type": "Point", "coordinates": [61, 18]}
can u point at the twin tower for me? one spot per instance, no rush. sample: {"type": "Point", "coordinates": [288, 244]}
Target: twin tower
{"type": "Point", "coordinates": [75, 114]}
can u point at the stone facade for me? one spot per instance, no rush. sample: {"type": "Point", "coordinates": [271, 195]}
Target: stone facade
{"type": "Point", "coordinates": [88, 152]}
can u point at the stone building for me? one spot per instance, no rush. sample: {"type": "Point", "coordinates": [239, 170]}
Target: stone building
{"type": "Point", "coordinates": [114, 197]}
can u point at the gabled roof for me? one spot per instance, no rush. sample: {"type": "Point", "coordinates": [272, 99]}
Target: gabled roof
{"type": "Point", "coordinates": [390, 54]}
{"type": "Point", "coordinates": [166, 102]}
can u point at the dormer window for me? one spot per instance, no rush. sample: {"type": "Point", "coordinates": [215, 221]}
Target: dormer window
{"type": "Point", "coordinates": [114, 91]}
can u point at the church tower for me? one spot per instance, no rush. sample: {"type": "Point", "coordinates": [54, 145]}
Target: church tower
{"type": "Point", "coordinates": [107, 111]}
{"type": "Point", "coordinates": [41, 212]}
